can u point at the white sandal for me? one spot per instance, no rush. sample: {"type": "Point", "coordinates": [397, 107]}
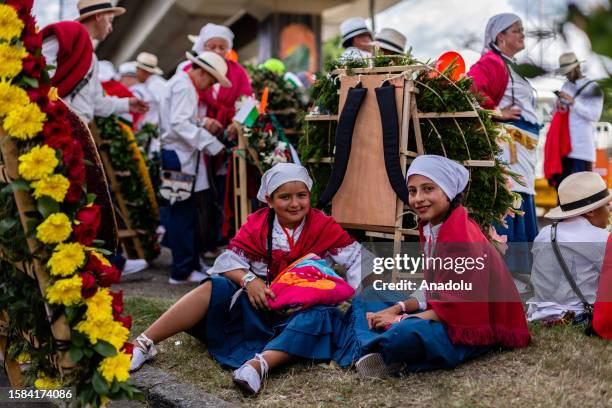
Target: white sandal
{"type": "Point", "coordinates": [144, 350]}
{"type": "Point", "coordinates": [247, 377]}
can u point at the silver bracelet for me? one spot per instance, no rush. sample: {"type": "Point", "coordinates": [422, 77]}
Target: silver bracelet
{"type": "Point", "coordinates": [402, 305]}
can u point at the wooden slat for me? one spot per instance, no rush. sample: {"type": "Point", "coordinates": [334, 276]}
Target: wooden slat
{"type": "Point", "coordinates": [321, 160]}
{"type": "Point", "coordinates": [438, 115]}
{"type": "Point", "coordinates": [127, 233]}
{"type": "Point", "coordinates": [4, 176]}
{"type": "Point", "coordinates": [479, 163]}
{"type": "Point", "coordinates": [326, 118]}
{"type": "Point", "coordinates": [379, 70]}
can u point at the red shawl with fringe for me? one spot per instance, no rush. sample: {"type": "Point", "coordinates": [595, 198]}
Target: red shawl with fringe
{"type": "Point", "coordinates": [321, 234]}
{"type": "Point", "coordinates": [490, 313]}
{"type": "Point", "coordinates": [490, 77]}
{"type": "Point", "coordinates": [602, 311]}
{"type": "Point", "coordinates": [74, 56]}
{"type": "Point", "coordinates": [558, 144]}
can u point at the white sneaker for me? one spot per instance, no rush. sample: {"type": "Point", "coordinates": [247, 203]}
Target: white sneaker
{"type": "Point", "coordinates": [247, 377]}
{"type": "Point", "coordinates": [194, 277]}
{"type": "Point", "coordinates": [133, 266]}
{"type": "Point", "coordinates": [373, 366]}
{"type": "Point", "coordinates": [144, 350]}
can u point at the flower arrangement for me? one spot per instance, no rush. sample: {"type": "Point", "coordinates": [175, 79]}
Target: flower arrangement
{"type": "Point", "coordinates": [135, 181]}
{"type": "Point", "coordinates": [267, 141]}
{"type": "Point", "coordinates": [52, 170]}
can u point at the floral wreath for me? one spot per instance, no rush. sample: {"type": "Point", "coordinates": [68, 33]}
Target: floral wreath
{"type": "Point", "coordinates": [52, 169]}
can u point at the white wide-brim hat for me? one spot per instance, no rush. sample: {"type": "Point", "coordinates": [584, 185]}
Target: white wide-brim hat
{"type": "Point", "coordinates": [580, 193]}
{"type": "Point", "coordinates": [352, 28]}
{"type": "Point", "coordinates": [567, 63]}
{"type": "Point", "coordinates": [391, 40]}
{"type": "Point", "coordinates": [88, 8]}
{"type": "Point", "coordinates": [213, 64]}
{"type": "Point", "coordinates": [148, 62]}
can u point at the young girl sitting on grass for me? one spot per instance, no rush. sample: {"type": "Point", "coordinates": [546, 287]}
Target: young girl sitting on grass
{"type": "Point", "coordinates": [453, 325]}
{"type": "Point", "coordinates": [239, 328]}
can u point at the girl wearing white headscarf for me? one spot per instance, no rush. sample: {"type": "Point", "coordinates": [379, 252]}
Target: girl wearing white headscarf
{"type": "Point", "coordinates": [236, 323]}
{"type": "Point", "coordinates": [454, 325]}
{"type": "Point", "coordinates": [513, 97]}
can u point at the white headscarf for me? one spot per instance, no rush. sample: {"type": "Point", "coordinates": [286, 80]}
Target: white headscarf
{"type": "Point", "coordinates": [211, 30]}
{"type": "Point", "coordinates": [496, 25]}
{"type": "Point", "coordinates": [449, 175]}
{"type": "Point", "coordinates": [280, 174]}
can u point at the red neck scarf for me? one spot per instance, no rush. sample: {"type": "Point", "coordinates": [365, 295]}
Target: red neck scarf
{"type": "Point", "coordinates": [74, 56]}
{"type": "Point", "coordinates": [490, 77]}
{"type": "Point", "coordinates": [222, 107]}
{"type": "Point", "coordinates": [321, 234]}
{"type": "Point", "coordinates": [468, 315]}
{"type": "Point", "coordinates": [602, 313]}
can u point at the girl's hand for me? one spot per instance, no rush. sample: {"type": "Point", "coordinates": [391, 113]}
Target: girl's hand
{"type": "Point", "coordinates": [510, 112]}
{"type": "Point", "coordinates": [390, 313]}
{"type": "Point", "coordinates": [257, 291]}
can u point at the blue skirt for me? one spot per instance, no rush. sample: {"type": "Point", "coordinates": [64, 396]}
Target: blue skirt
{"type": "Point", "coordinates": [233, 336]}
{"type": "Point", "coordinates": [422, 345]}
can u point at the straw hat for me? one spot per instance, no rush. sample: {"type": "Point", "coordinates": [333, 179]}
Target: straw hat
{"type": "Point", "coordinates": [88, 8]}
{"type": "Point", "coordinates": [352, 28]}
{"type": "Point", "coordinates": [391, 40]}
{"type": "Point", "coordinates": [213, 64]}
{"type": "Point", "coordinates": [148, 62]}
{"type": "Point", "coordinates": [567, 62]}
{"type": "Point", "coordinates": [580, 193]}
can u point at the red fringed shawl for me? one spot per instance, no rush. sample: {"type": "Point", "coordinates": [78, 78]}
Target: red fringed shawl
{"type": "Point", "coordinates": [558, 144]}
{"type": "Point", "coordinates": [491, 312]}
{"type": "Point", "coordinates": [602, 313]}
{"type": "Point", "coordinates": [321, 234]}
{"type": "Point", "coordinates": [116, 88]}
{"type": "Point", "coordinates": [74, 56]}
{"type": "Point", "coordinates": [490, 77]}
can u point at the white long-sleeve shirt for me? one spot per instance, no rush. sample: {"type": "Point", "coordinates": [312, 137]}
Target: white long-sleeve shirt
{"type": "Point", "coordinates": [349, 257]}
{"type": "Point", "coordinates": [88, 101]}
{"type": "Point", "coordinates": [585, 111]}
{"type": "Point", "coordinates": [582, 246]}
{"type": "Point", "coordinates": [181, 129]}
{"type": "Point", "coordinates": [151, 91]}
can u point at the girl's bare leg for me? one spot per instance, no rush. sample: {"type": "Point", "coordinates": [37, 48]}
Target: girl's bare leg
{"type": "Point", "coordinates": [183, 315]}
{"type": "Point", "coordinates": [274, 358]}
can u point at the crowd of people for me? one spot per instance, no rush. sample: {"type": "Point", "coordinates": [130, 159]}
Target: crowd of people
{"type": "Point", "coordinates": [381, 333]}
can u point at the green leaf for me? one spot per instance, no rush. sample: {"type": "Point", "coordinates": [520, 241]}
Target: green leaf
{"type": "Point", "coordinates": [47, 206]}
{"type": "Point", "coordinates": [104, 251]}
{"type": "Point", "coordinates": [528, 70]}
{"type": "Point", "coordinates": [20, 185]}
{"type": "Point", "coordinates": [88, 352]}
{"type": "Point", "coordinates": [91, 197]}
{"type": "Point", "coordinates": [99, 383]}
{"type": "Point", "coordinates": [99, 242]}
{"type": "Point", "coordinates": [77, 339]}
{"type": "Point", "coordinates": [7, 224]}
{"type": "Point", "coordinates": [32, 82]}
{"type": "Point", "coordinates": [105, 348]}
{"type": "Point", "coordinates": [76, 354]}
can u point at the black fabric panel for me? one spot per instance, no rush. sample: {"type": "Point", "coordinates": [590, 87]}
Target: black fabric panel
{"type": "Point", "coordinates": [390, 126]}
{"type": "Point", "coordinates": [344, 138]}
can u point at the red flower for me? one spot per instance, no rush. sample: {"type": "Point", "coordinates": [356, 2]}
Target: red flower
{"type": "Point", "coordinates": [33, 66]}
{"type": "Point", "coordinates": [128, 348]}
{"type": "Point", "coordinates": [74, 193]}
{"type": "Point", "coordinates": [117, 303]}
{"type": "Point", "coordinates": [86, 230]}
{"type": "Point", "coordinates": [57, 111]}
{"type": "Point", "coordinates": [126, 321]}
{"type": "Point", "coordinates": [39, 95]}
{"type": "Point", "coordinates": [23, 7]}
{"type": "Point", "coordinates": [89, 287]}
{"type": "Point", "coordinates": [32, 42]}
{"type": "Point", "coordinates": [56, 133]}
{"type": "Point", "coordinates": [109, 276]}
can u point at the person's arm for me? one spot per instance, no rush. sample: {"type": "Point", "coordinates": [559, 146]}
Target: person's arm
{"type": "Point", "coordinates": [182, 124]}
{"type": "Point", "coordinates": [105, 106]}
{"type": "Point", "coordinates": [589, 103]}
{"type": "Point", "coordinates": [392, 314]}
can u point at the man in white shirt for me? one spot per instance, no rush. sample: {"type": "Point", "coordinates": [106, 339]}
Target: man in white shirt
{"type": "Point", "coordinates": [87, 98]}
{"type": "Point", "coordinates": [356, 39]}
{"type": "Point", "coordinates": [186, 137]}
{"type": "Point", "coordinates": [584, 99]}
{"type": "Point", "coordinates": [581, 234]}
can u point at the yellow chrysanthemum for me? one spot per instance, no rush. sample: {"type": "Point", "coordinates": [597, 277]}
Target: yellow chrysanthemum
{"type": "Point", "coordinates": [23, 358]}
{"type": "Point", "coordinates": [66, 258]}
{"type": "Point", "coordinates": [117, 334]}
{"type": "Point", "coordinates": [100, 258]}
{"type": "Point", "coordinates": [24, 122]}
{"type": "Point", "coordinates": [45, 383]}
{"type": "Point", "coordinates": [53, 95]}
{"type": "Point", "coordinates": [55, 229]}
{"type": "Point", "coordinates": [11, 97]}
{"type": "Point", "coordinates": [99, 306]}
{"type": "Point", "coordinates": [115, 367]}
{"type": "Point", "coordinates": [55, 186]}
{"type": "Point", "coordinates": [11, 25]}
{"type": "Point", "coordinates": [65, 292]}
{"type": "Point", "coordinates": [92, 329]}
{"type": "Point", "coordinates": [37, 163]}
{"type": "Point", "coordinates": [10, 60]}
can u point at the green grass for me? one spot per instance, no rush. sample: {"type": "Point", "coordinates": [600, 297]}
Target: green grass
{"type": "Point", "coordinates": [562, 368]}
